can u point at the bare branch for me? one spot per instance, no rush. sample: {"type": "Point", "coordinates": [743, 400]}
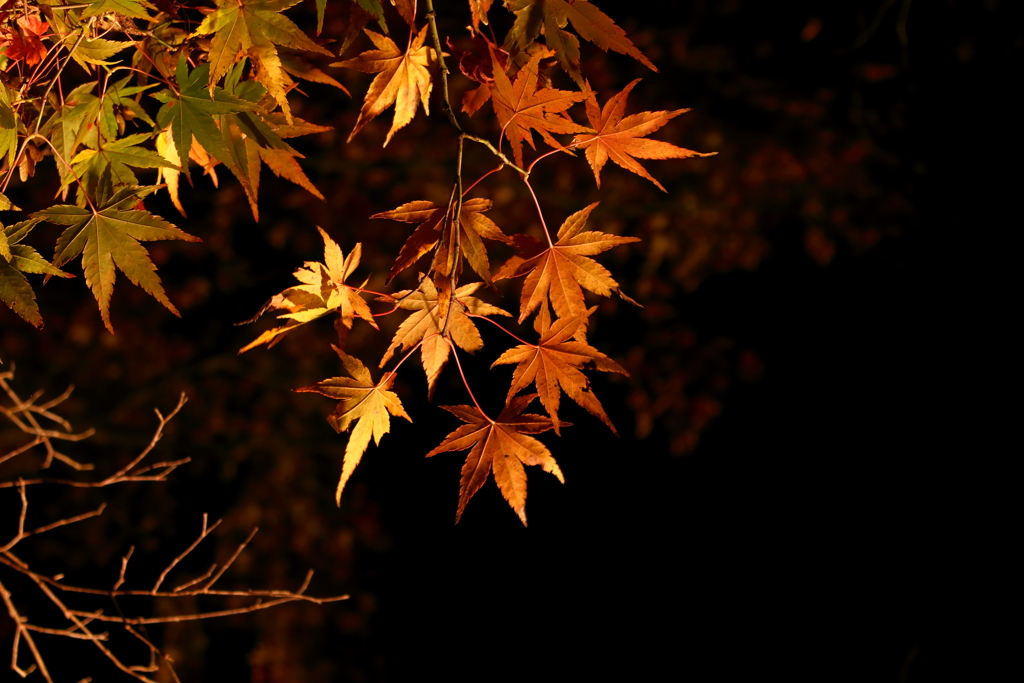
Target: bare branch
{"type": "Point", "coordinates": [80, 622]}
{"type": "Point", "coordinates": [22, 632]}
{"type": "Point", "coordinates": [238, 551]}
{"type": "Point", "coordinates": [203, 534]}
{"type": "Point", "coordinates": [124, 567]}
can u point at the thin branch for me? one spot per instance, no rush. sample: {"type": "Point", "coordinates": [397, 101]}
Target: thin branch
{"type": "Point", "coordinates": [224, 568]}
{"type": "Point", "coordinates": [202, 534]}
{"type": "Point", "coordinates": [446, 105]}
{"type": "Point", "coordinates": [22, 632]}
{"type": "Point", "coordinates": [124, 568]}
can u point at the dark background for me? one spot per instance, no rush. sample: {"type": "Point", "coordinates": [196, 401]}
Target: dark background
{"type": "Point", "coordinates": [819, 526]}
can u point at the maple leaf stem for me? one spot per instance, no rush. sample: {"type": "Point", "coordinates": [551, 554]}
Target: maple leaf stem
{"type": "Point", "coordinates": [481, 178]}
{"type": "Point", "coordinates": [60, 158]}
{"type": "Point", "coordinates": [56, 78]}
{"type": "Point", "coordinates": [547, 154]}
{"type": "Point", "coordinates": [394, 370]}
{"type": "Point", "coordinates": [502, 327]}
{"type": "Point", "coordinates": [387, 297]}
{"type": "Point", "coordinates": [465, 383]}
{"type": "Point", "coordinates": [39, 120]}
{"type": "Point", "coordinates": [547, 233]}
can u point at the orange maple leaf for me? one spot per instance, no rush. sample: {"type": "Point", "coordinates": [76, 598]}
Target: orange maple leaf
{"type": "Point", "coordinates": [622, 139]}
{"type": "Point", "coordinates": [555, 362]}
{"type": "Point", "coordinates": [478, 11]}
{"type": "Point", "coordinates": [362, 401]}
{"type": "Point", "coordinates": [500, 446]}
{"type": "Point", "coordinates": [426, 321]}
{"type": "Point", "coordinates": [25, 44]}
{"type": "Point", "coordinates": [558, 271]}
{"type": "Point", "coordinates": [521, 108]}
{"type": "Point", "coordinates": [473, 226]}
{"type": "Point", "coordinates": [402, 78]}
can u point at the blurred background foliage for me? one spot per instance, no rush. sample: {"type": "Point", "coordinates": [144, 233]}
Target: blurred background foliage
{"type": "Point", "coordinates": [812, 108]}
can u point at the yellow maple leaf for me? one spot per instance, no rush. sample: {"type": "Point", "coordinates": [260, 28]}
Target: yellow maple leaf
{"type": "Point", "coordinates": [402, 79]}
{"type": "Point", "coordinates": [363, 402]}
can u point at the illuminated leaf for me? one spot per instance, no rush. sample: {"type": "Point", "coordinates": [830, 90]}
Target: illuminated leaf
{"type": "Point", "coordinates": [623, 139]}
{"type": "Point", "coordinates": [501, 446]}
{"type": "Point", "coordinates": [254, 28]}
{"type": "Point", "coordinates": [361, 402]}
{"type": "Point", "coordinates": [554, 365]}
{"type": "Point", "coordinates": [425, 325]}
{"type": "Point", "coordinates": [521, 108]}
{"type": "Point", "coordinates": [107, 236]}
{"type": "Point", "coordinates": [403, 80]}
{"type": "Point", "coordinates": [557, 272]}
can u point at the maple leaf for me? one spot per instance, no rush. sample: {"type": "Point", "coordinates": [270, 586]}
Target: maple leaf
{"type": "Point", "coordinates": [114, 159]}
{"type": "Point", "coordinates": [9, 120]}
{"type": "Point", "coordinates": [402, 78]}
{"type": "Point", "coordinates": [363, 402]}
{"type": "Point", "coordinates": [24, 43]}
{"type": "Point", "coordinates": [424, 325]}
{"type": "Point", "coordinates": [323, 290]}
{"type": "Point", "coordinates": [555, 362]}
{"type": "Point", "coordinates": [255, 28]}
{"type": "Point", "coordinates": [556, 272]}
{"type": "Point", "coordinates": [107, 236]}
{"type": "Point", "coordinates": [521, 108]}
{"type": "Point", "coordinates": [128, 8]}
{"type": "Point", "coordinates": [407, 10]}
{"type": "Point", "coordinates": [189, 112]}
{"type": "Point", "coordinates": [500, 446]}
{"type": "Point", "coordinates": [591, 23]}
{"type": "Point", "coordinates": [15, 260]}
{"type": "Point", "coordinates": [478, 11]}
{"type": "Point", "coordinates": [248, 140]}
{"type": "Point", "coordinates": [473, 226]}
{"type": "Point", "coordinates": [165, 148]}
{"type": "Point", "coordinates": [622, 139]}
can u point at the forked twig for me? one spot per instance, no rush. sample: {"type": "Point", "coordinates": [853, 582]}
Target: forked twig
{"type": "Point", "coordinates": [24, 414]}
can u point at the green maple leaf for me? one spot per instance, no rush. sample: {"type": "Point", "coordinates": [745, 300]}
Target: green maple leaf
{"type": "Point", "coordinates": [16, 260]}
{"type": "Point", "coordinates": [115, 158]}
{"type": "Point", "coordinates": [97, 51]}
{"type": "Point", "coordinates": [107, 235]}
{"type": "Point", "coordinates": [254, 27]}
{"type": "Point", "coordinates": [251, 141]}
{"type": "Point", "coordinates": [8, 127]}
{"type": "Point", "coordinates": [86, 118]}
{"type": "Point", "coordinates": [129, 8]}
{"type": "Point", "coordinates": [191, 110]}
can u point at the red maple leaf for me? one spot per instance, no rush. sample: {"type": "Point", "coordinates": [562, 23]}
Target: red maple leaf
{"type": "Point", "coordinates": [25, 44]}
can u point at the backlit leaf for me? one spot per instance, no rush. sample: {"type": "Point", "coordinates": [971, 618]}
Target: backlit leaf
{"type": "Point", "coordinates": [362, 402]}
{"type": "Point", "coordinates": [501, 447]}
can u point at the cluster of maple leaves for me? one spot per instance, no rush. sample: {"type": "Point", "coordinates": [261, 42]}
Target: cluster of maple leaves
{"type": "Point", "coordinates": [211, 85]}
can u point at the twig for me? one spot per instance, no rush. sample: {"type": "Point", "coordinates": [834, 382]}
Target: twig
{"type": "Point", "coordinates": [202, 534]}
